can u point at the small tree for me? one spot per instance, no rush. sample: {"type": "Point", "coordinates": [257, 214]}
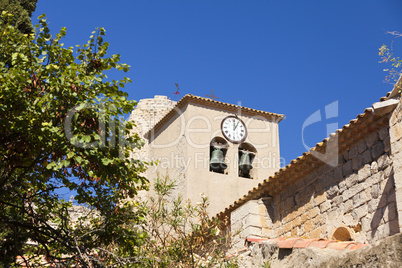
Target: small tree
{"type": "Point", "coordinates": [61, 129]}
{"type": "Point", "coordinates": [395, 63]}
{"type": "Point", "coordinates": [180, 234]}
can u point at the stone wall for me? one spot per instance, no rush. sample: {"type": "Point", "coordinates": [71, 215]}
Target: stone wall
{"type": "Point", "coordinates": [358, 195]}
{"type": "Point", "coordinates": [145, 115]}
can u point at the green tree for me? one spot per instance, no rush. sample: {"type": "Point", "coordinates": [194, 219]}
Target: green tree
{"type": "Point", "coordinates": [61, 127]}
{"type": "Point", "coordinates": [22, 11]}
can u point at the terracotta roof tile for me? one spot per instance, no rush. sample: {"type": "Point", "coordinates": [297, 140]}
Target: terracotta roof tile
{"type": "Point", "coordinates": [288, 243]}
{"type": "Point", "coordinates": [354, 247]}
{"type": "Point", "coordinates": [321, 243]}
{"type": "Point", "coordinates": [304, 243]}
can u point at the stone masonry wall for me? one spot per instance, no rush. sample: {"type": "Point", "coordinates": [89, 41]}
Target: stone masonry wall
{"type": "Point", "coordinates": [396, 148]}
{"type": "Point", "coordinates": [145, 115]}
{"type": "Point", "coordinates": [358, 194]}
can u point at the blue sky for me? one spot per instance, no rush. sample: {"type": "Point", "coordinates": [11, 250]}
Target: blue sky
{"type": "Point", "coordinates": [288, 57]}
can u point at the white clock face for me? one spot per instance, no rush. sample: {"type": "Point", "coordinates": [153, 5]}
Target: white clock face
{"type": "Point", "coordinates": [234, 129]}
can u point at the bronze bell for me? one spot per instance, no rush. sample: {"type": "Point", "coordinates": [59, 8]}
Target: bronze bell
{"type": "Point", "coordinates": [217, 162]}
{"type": "Point", "coordinates": [245, 163]}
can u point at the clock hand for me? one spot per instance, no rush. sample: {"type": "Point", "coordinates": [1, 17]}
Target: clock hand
{"type": "Point", "coordinates": [236, 125]}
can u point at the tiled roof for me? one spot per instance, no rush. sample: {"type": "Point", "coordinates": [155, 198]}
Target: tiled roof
{"type": "Point", "coordinates": [364, 124]}
{"type": "Point", "coordinates": [299, 242]}
{"type": "Point", "coordinates": [216, 104]}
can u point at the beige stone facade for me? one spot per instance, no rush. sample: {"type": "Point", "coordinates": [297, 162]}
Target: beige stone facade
{"type": "Point", "coordinates": [181, 143]}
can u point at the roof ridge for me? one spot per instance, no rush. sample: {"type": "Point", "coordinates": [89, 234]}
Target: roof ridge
{"type": "Point", "coordinates": [189, 97]}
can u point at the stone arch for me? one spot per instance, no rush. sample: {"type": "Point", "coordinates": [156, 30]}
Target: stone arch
{"type": "Point", "coordinates": [218, 143]}
{"type": "Point", "coordinates": [251, 151]}
{"type": "Point", "coordinates": [342, 234]}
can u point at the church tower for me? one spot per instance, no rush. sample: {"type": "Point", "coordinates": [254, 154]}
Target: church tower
{"type": "Point", "coordinates": [208, 147]}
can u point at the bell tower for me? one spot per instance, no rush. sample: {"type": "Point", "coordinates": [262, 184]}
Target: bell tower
{"type": "Point", "coordinates": [213, 148]}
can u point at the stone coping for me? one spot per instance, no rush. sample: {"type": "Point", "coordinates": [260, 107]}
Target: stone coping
{"type": "Point", "coordinates": [299, 242]}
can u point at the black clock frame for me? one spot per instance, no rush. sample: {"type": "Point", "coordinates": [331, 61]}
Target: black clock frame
{"type": "Point", "coordinates": [229, 139]}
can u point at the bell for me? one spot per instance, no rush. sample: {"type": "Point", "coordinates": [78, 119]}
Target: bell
{"type": "Point", "coordinates": [245, 163]}
{"type": "Point", "coordinates": [217, 162]}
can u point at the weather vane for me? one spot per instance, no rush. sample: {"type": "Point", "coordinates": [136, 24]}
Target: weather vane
{"type": "Point", "coordinates": [177, 93]}
{"type": "Point", "coordinates": [212, 96]}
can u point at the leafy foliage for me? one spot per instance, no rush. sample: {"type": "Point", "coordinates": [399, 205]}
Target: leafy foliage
{"type": "Point", "coordinates": [22, 11]}
{"type": "Point", "coordinates": [387, 56]}
{"type": "Point", "coordinates": [61, 129]}
{"type": "Point", "coordinates": [180, 234]}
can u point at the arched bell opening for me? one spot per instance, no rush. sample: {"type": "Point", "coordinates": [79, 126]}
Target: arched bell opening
{"type": "Point", "coordinates": [217, 152]}
{"type": "Point", "coordinates": [247, 154]}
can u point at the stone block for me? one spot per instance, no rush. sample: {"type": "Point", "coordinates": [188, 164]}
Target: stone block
{"type": "Point", "coordinates": [360, 212]}
{"type": "Point", "coordinates": [377, 219]}
{"type": "Point", "coordinates": [338, 175]}
{"type": "Point", "coordinates": [373, 205]}
{"type": "Point", "coordinates": [364, 173]}
{"type": "Point", "coordinates": [361, 146]}
{"type": "Point", "coordinates": [374, 167]}
{"type": "Point", "coordinates": [365, 221]}
{"type": "Point", "coordinates": [318, 186]}
{"type": "Point", "coordinates": [347, 168]}
{"type": "Point", "coordinates": [287, 227]}
{"type": "Point", "coordinates": [388, 172]}
{"type": "Point", "coordinates": [357, 162]}
{"type": "Point", "coordinates": [313, 212]}
{"type": "Point", "coordinates": [353, 152]}
{"type": "Point", "coordinates": [377, 150]}
{"type": "Point", "coordinates": [332, 191]}
{"type": "Point", "coordinates": [317, 233]}
{"type": "Point", "coordinates": [383, 161]}
{"type": "Point", "coordinates": [348, 206]}
{"type": "Point", "coordinates": [294, 232]}
{"type": "Point", "coordinates": [251, 231]}
{"type": "Point", "coordinates": [337, 201]}
{"type": "Point", "coordinates": [319, 199]}
{"type": "Point", "coordinates": [353, 179]}
{"type": "Point", "coordinates": [371, 139]}
{"type": "Point", "coordinates": [367, 156]}
{"type": "Point", "coordinates": [396, 146]}
{"type": "Point", "coordinates": [383, 133]}
{"type": "Point", "coordinates": [342, 186]}
{"type": "Point", "coordinates": [304, 218]}
{"type": "Point", "coordinates": [335, 217]}
{"type": "Point", "coordinates": [362, 198]}
{"type": "Point", "coordinates": [346, 155]}
{"type": "Point", "coordinates": [319, 220]}
{"type": "Point", "coordinates": [373, 179]}
{"type": "Point", "coordinates": [348, 220]}
{"type": "Point", "coordinates": [387, 145]}
{"type": "Point", "coordinates": [308, 226]}
{"type": "Point", "coordinates": [296, 221]}
{"type": "Point", "coordinates": [395, 132]}
{"type": "Point", "coordinates": [325, 206]}
{"type": "Point", "coordinates": [375, 191]}
{"type": "Point", "coordinates": [252, 220]}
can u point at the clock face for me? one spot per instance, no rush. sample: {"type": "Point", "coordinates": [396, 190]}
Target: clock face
{"type": "Point", "coordinates": [234, 129]}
